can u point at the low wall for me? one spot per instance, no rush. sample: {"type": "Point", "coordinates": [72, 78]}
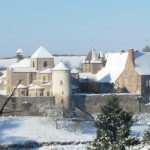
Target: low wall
{"type": "Point", "coordinates": [92, 102]}
{"type": "Point", "coordinates": [25, 106]}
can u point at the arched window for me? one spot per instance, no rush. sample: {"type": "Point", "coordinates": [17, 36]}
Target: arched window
{"type": "Point", "coordinates": [45, 64]}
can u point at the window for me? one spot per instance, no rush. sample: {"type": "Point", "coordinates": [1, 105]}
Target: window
{"type": "Point", "coordinates": [61, 82]}
{"type": "Point", "coordinates": [43, 78]}
{"type": "Point", "coordinates": [22, 92]}
{"type": "Point", "coordinates": [41, 94]}
{"type": "Point", "coordinates": [62, 92]}
{"type": "Point", "coordinates": [33, 64]}
{"type": "Point", "coordinates": [45, 64]}
{"type": "Point", "coordinates": [147, 83]}
{"type": "Point", "coordinates": [47, 93]}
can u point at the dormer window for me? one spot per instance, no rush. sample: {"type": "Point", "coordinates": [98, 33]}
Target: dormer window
{"type": "Point", "coordinates": [45, 64]}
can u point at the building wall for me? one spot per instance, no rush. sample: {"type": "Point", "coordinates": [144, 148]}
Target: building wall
{"type": "Point", "coordinates": [14, 77]}
{"type": "Point", "coordinates": [21, 92]}
{"type": "Point", "coordinates": [92, 67]}
{"type": "Point", "coordinates": [61, 88]}
{"type": "Point", "coordinates": [93, 102]}
{"type": "Point", "coordinates": [35, 92]}
{"type": "Point", "coordinates": [27, 106]}
{"type": "Point", "coordinates": [129, 79]}
{"type": "Point", "coordinates": [39, 63]}
{"type": "Point", "coordinates": [145, 86]}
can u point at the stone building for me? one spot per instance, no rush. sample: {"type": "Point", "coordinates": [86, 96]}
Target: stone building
{"type": "Point", "coordinates": [94, 62]}
{"type": "Point", "coordinates": [122, 72]}
{"type": "Point", "coordinates": [39, 77]}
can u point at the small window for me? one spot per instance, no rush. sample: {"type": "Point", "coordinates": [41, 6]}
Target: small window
{"type": "Point", "coordinates": [43, 78]}
{"type": "Point", "coordinates": [61, 82]}
{"type": "Point", "coordinates": [62, 92]}
{"type": "Point", "coordinates": [147, 83]}
{"type": "Point", "coordinates": [33, 64]}
{"type": "Point", "coordinates": [47, 93]}
{"type": "Point", "coordinates": [45, 64]}
{"type": "Point", "coordinates": [22, 92]}
{"type": "Point", "coordinates": [41, 94]}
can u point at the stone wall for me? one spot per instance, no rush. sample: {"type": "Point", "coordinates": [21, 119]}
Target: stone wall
{"type": "Point", "coordinates": [92, 102]}
{"type": "Point", "coordinates": [26, 106]}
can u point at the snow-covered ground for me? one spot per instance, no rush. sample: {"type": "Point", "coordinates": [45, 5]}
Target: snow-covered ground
{"type": "Point", "coordinates": [14, 130]}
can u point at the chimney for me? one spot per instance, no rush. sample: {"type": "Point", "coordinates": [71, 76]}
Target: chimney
{"type": "Point", "coordinates": [131, 55]}
{"type": "Point", "coordinates": [122, 51]}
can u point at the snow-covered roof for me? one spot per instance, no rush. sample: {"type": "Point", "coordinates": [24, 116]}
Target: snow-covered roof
{"type": "Point", "coordinates": [74, 87]}
{"type": "Point", "coordinates": [19, 51]}
{"type": "Point", "coordinates": [47, 70]}
{"type": "Point", "coordinates": [85, 76]}
{"type": "Point", "coordinates": [74, 70]}
{"type": "Point", "coordinates": [22, 66]}
{"type": "Point", "coordinates": [22, 63]}
{"type": "Point", "coordinates": [41, 53]}
{"type": "Point", "coordinates": [60, 66]}
{"type": "Point", "coordinates": [114, 67]}
{"type": "Point", "coordinates": [23, 69]}
{"type": "Point", "coordinates": [142, 62]}
{"type": "Point", "coordinates": [21, 86]}
{"type": "Point", "coordinates": [36, 87]}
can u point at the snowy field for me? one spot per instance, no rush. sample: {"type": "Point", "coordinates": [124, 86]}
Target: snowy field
{"type": "Point", "coordinates": [18, 130]}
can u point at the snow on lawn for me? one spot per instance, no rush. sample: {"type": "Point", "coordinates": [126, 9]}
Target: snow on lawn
{"type": "Point", "coordinates": [19, 130]}
{"type": "Point", "coordinates": [39, 129]}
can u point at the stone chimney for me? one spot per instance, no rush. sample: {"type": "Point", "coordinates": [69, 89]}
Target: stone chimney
{"type": "Point", "coordinates": [122, 51]}
{"type": "Point", "coordinates": [131, 55]}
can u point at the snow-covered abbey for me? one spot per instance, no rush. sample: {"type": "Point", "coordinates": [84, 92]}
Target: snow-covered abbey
{"type": "Point", "coordinates": [102, 73]}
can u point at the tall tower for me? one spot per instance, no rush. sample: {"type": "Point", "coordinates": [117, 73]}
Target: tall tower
{"type": "Point", "coordinates": [19, 55]}
{"type": "Point", "coordinates": [61, 85]}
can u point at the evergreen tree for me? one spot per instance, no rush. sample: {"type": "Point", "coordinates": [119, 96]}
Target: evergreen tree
{"type": "Point", "coordinates": [146, 136]}
{"type": "Point", "coordinates": [113, 127]}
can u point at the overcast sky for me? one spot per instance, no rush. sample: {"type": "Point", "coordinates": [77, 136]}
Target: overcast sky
{"type": "Point", "coordinates": [73, 26]}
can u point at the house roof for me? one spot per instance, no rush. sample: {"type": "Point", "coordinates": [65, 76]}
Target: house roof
{"type": "Point", "coordinates": [41, 53]}
{"type": "Point", "coordinates": [142, 62]}
{"type": "Point", "coordinates": [114, 67]}
{"type": "Point", "coordinates": [74, 70]}
{"type": "Point", "coordinates": [60, 66]}
{"type": "Point", "coordinates": [36, 87]}
{"type": "Point", "coordinates": [22, 63]}
{"type": "Point", "coordinates": [21, 86]}
{"type": "Point", "coordinates": [46, 70]}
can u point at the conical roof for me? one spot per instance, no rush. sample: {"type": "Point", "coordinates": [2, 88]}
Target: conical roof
{"type": "Point", "coordinates": [41, 53]}
{"type": "Point", "coordinates": [60, 66]}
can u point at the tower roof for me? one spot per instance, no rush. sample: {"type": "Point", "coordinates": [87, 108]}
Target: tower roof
{"type": "Point", "coordinates": [146, 49]}
{"type": "Point", "coordinates": [41, 53]}
{"type": "Point", "coordinates": [19, 51]}
{"type": "Point", "coordinates": [60, 66]}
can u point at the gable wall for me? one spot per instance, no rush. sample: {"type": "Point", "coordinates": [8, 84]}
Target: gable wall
{"type": "Point", "coordinates": [129, 79]}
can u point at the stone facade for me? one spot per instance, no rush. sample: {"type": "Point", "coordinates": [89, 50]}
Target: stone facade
{"type": "Point", "coordinates": [40, 63]}
{"type": "Point", "coordinates": [129, 79]}
{"type": "Point", "coordinates": [92, 67]}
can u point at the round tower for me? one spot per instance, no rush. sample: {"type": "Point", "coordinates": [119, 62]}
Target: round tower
{"type": "Point", "coordinates": [19, 54]}
{"type": "Point", "coordinates": [61, 85]}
